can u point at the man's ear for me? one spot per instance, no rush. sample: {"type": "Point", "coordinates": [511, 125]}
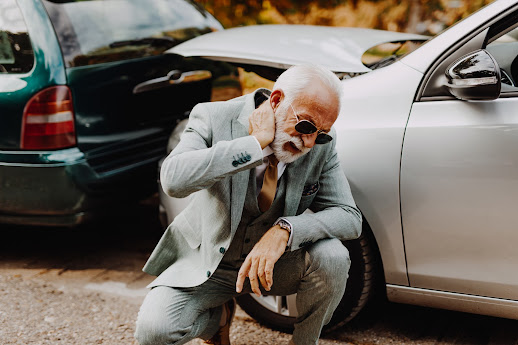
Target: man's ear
{"type": "Point", "coordinates": [275, 99]}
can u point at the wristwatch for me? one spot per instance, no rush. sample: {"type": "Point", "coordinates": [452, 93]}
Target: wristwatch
{"type": "Point", "coordinates": [284, 225]}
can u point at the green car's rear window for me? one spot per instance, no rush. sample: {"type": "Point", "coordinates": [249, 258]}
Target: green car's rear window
{"type": "Point", "coordinates": [97, 31]}
{"type": "Point", "coordinates": [16, 54]}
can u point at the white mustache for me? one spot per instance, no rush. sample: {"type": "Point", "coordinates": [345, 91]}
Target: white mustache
{"type": "Point", "coordinates": [281, 138]}
{"type": "Point", "coordinates": [299, 144]}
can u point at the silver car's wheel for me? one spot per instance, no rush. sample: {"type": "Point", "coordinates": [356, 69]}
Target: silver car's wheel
{"type": "Point", "coordinates": [283, 305]}
{"type": "Point", "coordinates": [279, 312]}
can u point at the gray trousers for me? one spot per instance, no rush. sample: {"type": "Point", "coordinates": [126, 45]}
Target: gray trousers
{"type": "Point", "coordinates": [317, 274]}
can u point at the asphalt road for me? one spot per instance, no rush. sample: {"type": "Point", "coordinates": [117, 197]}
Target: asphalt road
{"type": "Point", "coordinates": [84, 286]}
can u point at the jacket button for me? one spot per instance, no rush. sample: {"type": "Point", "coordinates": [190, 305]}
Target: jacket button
{"type": "Point", "coordinates": [235, 163]}
{"type": "Point", "coordinates": [222, 250]}
{"type": "Point", "coordinates": [208, 273]}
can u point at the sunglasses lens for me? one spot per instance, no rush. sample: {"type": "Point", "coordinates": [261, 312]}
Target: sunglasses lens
{"type": "Point", "coordinates": [323, 138]}
{"type": "Point", "coordinates": [305, 127]}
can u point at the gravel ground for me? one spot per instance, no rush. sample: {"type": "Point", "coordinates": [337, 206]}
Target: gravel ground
{"type": "Point", "coordinates": [36, 312]}
{"type": "Point", "coordinates": [86, 286]}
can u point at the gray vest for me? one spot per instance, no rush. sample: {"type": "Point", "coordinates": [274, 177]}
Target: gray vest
{"type": "Point", "coordinates": [253, 223]}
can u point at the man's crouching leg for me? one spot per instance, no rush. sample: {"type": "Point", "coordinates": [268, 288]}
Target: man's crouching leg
{"type": "Point", "coordinates": [322, 287]}
{"type": "Point", "coordinates": [175, 316]}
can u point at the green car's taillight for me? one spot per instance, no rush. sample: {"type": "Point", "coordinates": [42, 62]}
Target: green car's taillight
{"type": "Point", "coordinates": [48, 120]}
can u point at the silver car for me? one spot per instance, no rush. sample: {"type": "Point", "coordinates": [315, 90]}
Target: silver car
{"type": "Point", "coordinates": [429, 143]}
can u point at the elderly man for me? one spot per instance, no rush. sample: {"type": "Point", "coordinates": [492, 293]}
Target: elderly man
{"type": "Point", "coordinates": [255, 164]}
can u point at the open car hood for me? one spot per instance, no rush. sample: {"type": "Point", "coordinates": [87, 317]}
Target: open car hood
{"type": "Point", "coordinates": [339, 49]}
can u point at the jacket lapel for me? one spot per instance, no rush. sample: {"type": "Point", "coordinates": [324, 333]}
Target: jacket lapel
{"type": "Point", "coordinates": [294, 186]}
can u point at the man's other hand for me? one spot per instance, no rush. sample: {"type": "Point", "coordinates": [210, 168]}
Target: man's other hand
{"type": "Point", "coordinates": [262, 124]}
{"type": "Point", "coordinates": [258, 265]}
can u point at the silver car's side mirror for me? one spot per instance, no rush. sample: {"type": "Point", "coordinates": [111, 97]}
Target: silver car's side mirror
{"type": "Point", "coordinates": [475, 76]}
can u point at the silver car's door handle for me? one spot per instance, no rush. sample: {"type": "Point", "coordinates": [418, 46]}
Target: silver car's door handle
{"type": "Point", "coordinates": [173, 77]}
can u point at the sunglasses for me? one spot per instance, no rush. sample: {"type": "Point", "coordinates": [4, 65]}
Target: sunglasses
{"type": "Point", "coordinates": [307, 127]}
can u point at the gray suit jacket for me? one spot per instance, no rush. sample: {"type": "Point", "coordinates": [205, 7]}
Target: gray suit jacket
{"type": "Point", "coordinates": [205, 163]}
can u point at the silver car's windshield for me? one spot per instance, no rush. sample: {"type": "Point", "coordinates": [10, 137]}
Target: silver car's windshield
{"type": "Point", "coordinates": [387, 53]}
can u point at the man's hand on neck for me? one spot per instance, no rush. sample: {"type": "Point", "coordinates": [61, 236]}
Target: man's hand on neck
{"type": "Point", "coordinates": [262, 124]}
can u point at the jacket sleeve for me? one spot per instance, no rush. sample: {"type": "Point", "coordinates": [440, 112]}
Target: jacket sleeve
{"type": "Point", "coordinates": [335, 212]}
{"type": "Point", "coordinates": [197, 163]}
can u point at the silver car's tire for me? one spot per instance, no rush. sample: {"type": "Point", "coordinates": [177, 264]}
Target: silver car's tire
{"type": "Point", "coordinates": [279, 312]}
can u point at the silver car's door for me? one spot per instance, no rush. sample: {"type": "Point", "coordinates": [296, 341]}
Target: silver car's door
{"type": "Point", "coordinates": [459, 186]}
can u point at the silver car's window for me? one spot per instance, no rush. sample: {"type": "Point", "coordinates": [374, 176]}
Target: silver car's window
{"type": "Point", "coordinates": [505, 51]}
{"type": "Point", "coordinates": [16, 54]}
{"type": "Point", "coordinates": [503, 46]}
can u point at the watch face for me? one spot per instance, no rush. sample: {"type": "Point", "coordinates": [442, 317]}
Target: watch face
{"type": "Point", "coordinates": [285, 225]}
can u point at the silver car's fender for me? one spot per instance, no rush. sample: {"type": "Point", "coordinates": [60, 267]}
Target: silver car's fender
{"type": "Point", "coordinates": [370, 131]}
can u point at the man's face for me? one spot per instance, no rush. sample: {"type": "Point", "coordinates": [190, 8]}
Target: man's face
{"type": "Point", "coordinates": [316, 105]}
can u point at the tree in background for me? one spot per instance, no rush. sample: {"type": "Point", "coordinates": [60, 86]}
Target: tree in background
{"type": "Point", "coordinates": [418, 16]}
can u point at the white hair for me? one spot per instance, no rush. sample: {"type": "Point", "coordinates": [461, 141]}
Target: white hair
{"type": "Point", "coordinates": [296, 78]}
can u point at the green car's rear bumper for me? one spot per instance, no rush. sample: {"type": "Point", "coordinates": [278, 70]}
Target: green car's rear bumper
{"type": "Point", "coordinates": [60, 188]}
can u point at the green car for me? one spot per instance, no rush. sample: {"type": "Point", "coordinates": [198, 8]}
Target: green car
{"type": "Point", "coordinates": [88, 100]}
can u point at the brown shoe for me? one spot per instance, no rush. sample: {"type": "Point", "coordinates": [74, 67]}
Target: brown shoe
{"type": "Point", "coordinates": [222, 336]}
